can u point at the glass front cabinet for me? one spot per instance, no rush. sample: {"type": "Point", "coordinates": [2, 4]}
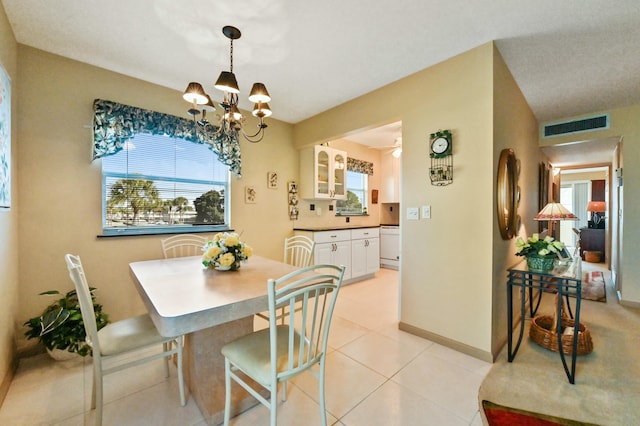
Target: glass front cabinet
{"type": "Point", "coordinates": [329, 168]}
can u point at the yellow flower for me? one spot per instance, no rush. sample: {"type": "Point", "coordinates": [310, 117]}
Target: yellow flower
{"type": "Point", "coordinates": [227, 259]}
{"type": "Point", "coordinates": [213, 252]}
{"type": "Point", "coordinates": [218, 236]}
{"type": "Point", "coordinates": [247, 250]}
{"type": "Point", "coordinates": [231, 240]}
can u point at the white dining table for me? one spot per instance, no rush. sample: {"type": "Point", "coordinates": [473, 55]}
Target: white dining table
{"type": "Point", "coordinates": [211, 308]}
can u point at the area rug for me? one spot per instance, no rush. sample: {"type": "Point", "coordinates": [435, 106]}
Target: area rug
{"type": "Point", "coordinates": [498, 415]}
{"type": "Point", "coordinates": [593, 286]}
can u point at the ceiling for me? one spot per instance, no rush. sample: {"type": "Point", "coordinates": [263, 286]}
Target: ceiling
{"type": "Point", "coordinates": [568, 57]}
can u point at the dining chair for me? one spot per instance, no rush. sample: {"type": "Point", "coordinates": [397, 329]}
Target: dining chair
{"type": "Point", "coordinates": [276, 354]}
{"type": "Point", "coordinates": [576, 251]}
{"type": "Point", "coordinates": [120, 339]}
{"type": "Point", "coordinates": [183, 245]}
{"type": "Point", "coordinates": [298, 251]}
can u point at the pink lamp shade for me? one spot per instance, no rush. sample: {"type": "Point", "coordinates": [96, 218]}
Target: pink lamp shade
{"type": "Point", "coordinates": [555, 211]}
{"type": "Point", "coordinates": [597, 206]}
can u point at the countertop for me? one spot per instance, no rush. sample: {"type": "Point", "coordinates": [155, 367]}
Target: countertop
{"type": "Point", "coordinates": [334, 228]}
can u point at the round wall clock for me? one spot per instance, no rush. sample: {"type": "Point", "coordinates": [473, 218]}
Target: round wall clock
{"type": "Point", "coordinates": [440, 145]}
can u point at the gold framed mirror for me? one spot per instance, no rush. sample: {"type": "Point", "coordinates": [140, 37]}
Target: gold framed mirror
{"type": "Point", "coordinates": [507, 194]}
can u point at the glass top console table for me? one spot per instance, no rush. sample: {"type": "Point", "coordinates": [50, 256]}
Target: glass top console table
{"type": "Point", "coordinates": [566, 280]}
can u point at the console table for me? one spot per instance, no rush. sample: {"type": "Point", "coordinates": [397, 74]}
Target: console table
{"type": "Point", "coordinates": [567, 280]}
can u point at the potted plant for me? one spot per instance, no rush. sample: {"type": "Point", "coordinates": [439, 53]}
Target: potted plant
{"type": "Point", "coordinates": [540, 254]}
{"type": "Point", "coordinates": [60, 325]}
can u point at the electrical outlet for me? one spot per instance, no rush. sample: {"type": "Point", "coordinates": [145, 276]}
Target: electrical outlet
{"type": "Point", "coordinates": [312, 207]}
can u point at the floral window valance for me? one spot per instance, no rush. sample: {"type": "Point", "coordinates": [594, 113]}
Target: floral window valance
{"type": "Point", "coordinates": [359, 166]}
{"type": "Point", "coordinates": [114, 124]}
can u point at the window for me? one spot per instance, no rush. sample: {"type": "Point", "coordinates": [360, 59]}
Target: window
{"type": "Point", "coordinates": [158, 184]}
{"type": "Point", "coordinates": [356, 202]}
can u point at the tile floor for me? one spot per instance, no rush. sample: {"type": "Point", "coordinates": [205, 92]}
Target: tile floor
{"type": "Point", "coordinates": [376, 375]}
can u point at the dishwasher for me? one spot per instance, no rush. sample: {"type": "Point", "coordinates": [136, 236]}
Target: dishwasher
{"type": "Point", "coordinates": [390, 246]}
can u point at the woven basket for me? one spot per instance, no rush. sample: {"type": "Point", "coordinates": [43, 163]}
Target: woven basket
{"type": "Point", "coordinates": [543, 332]}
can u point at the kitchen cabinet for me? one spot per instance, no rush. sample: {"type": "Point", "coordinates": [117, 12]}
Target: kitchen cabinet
{"type": "Point", "coordinates": [390, 167]}
{"type": "Point", "coordinates": [333, 248]}
{"type": "Point", "coordinates": [365, 251]}
{"type": "Point", "coordinates": [323, 172]}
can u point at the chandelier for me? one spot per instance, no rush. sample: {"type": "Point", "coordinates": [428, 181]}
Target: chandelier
{"type": "Point", "coordinates": [231, 121]}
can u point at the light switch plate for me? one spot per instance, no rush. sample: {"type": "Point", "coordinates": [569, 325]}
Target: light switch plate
{"type": "Point", "coordinates": [413, 213]}
{"type": "Point", "coordinates": [426, 212]}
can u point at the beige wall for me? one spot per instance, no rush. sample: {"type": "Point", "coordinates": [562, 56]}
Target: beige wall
{"type": "Point", "coordinates": [9, 317]}
{"type": "Point", "coordinates": [61, 188]}
{"type": "Point", "coordinates": [515, 127]}
{"type": "Point", "coordinates": [625, 125]}
{"type": "Point", "coordinates": [449, 268]}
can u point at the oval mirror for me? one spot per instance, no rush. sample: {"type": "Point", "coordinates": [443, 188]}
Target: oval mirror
{"type": "Point", "coordinates": [507, 194]}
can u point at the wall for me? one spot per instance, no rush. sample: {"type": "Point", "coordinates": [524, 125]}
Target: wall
{"type": "Point", "coordinates": [9, 221]}
{"type": "Point", "coordinates": [515, 127]}
{"type": "Point", "coordinates": [448, 274]}
{"type": "Point", "coordinates": [624, 124]}
{"type": "Point", "coordinates": [60, 187]}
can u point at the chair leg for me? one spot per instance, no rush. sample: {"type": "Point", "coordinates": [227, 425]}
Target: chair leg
{"type": "Point", "coordinates": [323, 411]}
{"type": "Point", "coordinates": [227, 391]}
{"type": "Point", "coordinates": [178, 342]}
{"type": "Point", "coordinates": [96, 400]}
{"type": "Point", "coordinates": [273, 403]}
{"type": "Point", "coordinates": [165, 347]}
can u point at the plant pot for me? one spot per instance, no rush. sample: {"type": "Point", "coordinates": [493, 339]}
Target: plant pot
{"type": "Point", "coordinates": [540, 263]}
{"type": "Point", "coordinates": [62, 354]}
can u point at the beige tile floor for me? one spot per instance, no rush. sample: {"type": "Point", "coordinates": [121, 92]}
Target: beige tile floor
{"type": "Point", "coordinates": [376, 375]}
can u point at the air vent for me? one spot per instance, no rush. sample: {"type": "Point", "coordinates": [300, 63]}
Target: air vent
{"type": "Point", "coordinates": [577, 126]}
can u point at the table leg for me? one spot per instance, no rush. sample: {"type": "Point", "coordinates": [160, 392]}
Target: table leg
{"type": "Point", "coordinates": [204, 369]}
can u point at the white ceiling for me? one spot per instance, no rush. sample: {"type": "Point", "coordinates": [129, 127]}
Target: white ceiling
{"type": "Point", "coordinates": [569, 57]}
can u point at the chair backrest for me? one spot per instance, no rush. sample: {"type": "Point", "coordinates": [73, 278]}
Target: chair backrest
{"type": "Point", "coordinates": [298, 250]}
{"type": "Point", "coordinates": [314, 291]}
{"type": "Point", "coordinates": [183, 245]}
{"type": "Point", "coordinates": [76, 272]}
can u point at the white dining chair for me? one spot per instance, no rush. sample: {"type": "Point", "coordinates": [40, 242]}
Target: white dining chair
{"type": "Point", "coordinates": [121, 339]}
{"type": "Point", "coordinates": [183, 245]}
{"type": "Point", "coordinates": [277, 354]}
{"type": "Point", "coordinates": [298, 251]}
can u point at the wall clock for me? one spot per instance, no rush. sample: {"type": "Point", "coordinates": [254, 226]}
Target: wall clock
{"type": "Point", "coordinates": [440, 151]}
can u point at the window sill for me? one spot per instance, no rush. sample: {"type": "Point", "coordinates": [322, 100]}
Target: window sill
{"type": "Point", "coordinates": [108, 233]}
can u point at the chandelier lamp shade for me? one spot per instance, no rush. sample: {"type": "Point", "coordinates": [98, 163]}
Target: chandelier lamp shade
{"type": "Point", "coordinates": [230, 122]}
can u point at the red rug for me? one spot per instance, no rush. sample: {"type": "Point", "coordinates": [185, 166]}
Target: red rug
{"type": "Point", "coordinates": [593, 286]}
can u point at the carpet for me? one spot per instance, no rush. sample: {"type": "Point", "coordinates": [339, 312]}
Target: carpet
{"type": "Point", "coordinates": [499, 415]}
{"type": "Point", "coordinates": [593, 286]}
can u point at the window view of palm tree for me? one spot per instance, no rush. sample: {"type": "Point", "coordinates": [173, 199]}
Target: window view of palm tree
{"type": "Point", "coordinates": [158, 184]}
{"type": "Point", "coordinates": [356, 202]}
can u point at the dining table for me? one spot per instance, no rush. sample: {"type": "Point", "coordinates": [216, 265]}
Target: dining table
{"type": "Point", "coordinates": [210, 308]}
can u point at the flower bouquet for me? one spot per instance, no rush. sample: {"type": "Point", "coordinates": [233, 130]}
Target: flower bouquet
{"type": "Point", "coordinates": [540, 254]}
{"type": "Point", "coordinates": [225, 252]}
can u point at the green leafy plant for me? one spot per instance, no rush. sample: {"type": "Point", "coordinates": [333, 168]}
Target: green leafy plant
{"type": "Point", "coordinates": [547, 247]}
{"type": "Point", "coordinates": [60, 325]}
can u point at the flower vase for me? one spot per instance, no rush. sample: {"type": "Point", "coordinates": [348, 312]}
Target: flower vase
{"type": "Point", "coordinates": [538, 263]}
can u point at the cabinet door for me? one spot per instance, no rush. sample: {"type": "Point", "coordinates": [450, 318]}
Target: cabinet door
{"type": "Point", "coordinates": [323, 254]}
{"type": "Point", "coordinates": [339, 175]}
{"type": "Point", "coordinates": [358, 258]}
{"type": "Point", "coordinates": [373, 255]}
{"type": "Point", "coordinates": [342, 256]}
{"type": "Point", "coordinates": [323, 166]}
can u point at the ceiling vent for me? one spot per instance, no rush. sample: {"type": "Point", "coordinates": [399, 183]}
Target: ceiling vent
{"type": "Point", "coordinates": [589, 124]}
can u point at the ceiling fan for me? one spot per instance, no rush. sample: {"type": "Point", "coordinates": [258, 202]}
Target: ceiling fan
{"type": "Point", "coordinates": [395, 149]}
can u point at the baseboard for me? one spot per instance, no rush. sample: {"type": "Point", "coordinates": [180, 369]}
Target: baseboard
{"type": "Point", "coordinates": [444, 341]}
{"type": "Point", "coordinates": [629, 304]}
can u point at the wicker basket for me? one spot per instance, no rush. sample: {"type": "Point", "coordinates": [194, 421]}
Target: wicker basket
{"type": "Point", "coordinates": [543, 332]}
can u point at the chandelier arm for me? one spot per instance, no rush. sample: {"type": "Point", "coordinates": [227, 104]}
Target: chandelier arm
{"type": "Point", "coordinates": [260, 132]}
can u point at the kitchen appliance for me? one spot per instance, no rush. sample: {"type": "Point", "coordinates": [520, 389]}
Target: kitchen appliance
{"type": "Point", "coordinates": [390, 246]}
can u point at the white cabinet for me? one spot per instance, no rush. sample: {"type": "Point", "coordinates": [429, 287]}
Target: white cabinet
{"type": "Point", "coordinates": [323, 172]}
{"type": "Point", "coordinates": [333, 248]}
{"type": "Point", "coordinates": [390, 166]}
{"type": "Point", "coordinates": [365, 251]}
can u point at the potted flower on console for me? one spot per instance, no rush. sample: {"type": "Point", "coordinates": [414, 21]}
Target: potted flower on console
{"type": "Point", "coordinates": [540, 254]}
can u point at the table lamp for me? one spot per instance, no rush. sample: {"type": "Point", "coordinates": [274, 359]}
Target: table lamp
{"type": "Point", "coordinates": [553, 212]}
{"type": "Point", "coordinates": [596, 208]}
